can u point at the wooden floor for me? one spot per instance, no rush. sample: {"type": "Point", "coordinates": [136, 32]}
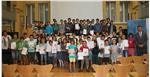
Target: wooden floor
{"type": "Point", "coordinates": [63, 72]}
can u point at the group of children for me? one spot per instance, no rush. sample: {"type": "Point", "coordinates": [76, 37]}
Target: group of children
{"type": "Point", "coordinates": [79, 49]}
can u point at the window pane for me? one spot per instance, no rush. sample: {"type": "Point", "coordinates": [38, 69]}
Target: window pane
{"type": "Point", "coordinates": [121, 11]}
{"type": "Point", "coordinates": [43, 9]}
{"type": "Point", "coordinates": [30, 12]}
{"type": "Point", "coordinates": [113, 11]}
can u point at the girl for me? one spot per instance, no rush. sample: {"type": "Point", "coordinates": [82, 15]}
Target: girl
{"type": "Point", "coordinates": [42, 50]}
{"type": "Point", "coordinates": [131, 42]}
{"type": "Point", "coordinates": [114, 52]}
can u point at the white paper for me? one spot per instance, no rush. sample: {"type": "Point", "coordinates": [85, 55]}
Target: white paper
{"type": "Point", "coordinates": [13, 45]}
{"type": "Point", "coordinates": [71, 51]}
{"type": "Point", "coordinates": [92, 32]}
{"type": "Point", "coordinates": [84, 31]}
{"type": "Point", "coordinates": [90, 44]}
{"type": "Point", "coordinates": [24, 51]}
{"type": "Point", "coordinates": [80, 56]}
{"type": "Point", "coordinates": [106, 50]}
{"type": "Point", "coordinates": [85, 52]}
{"type": "Point", "coordinates": [77, 27]}
{"type": "Point", "coordinates": [41, 50]}
{"type": "Point", "coordinates": [37, 48]}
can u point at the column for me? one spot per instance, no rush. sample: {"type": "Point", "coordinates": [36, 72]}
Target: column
{"type": "Point", "coordinates": [117, 11]}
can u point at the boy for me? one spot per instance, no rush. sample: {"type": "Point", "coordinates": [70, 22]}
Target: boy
{"type": "Point", "coordinates": [72, 55]}
{"type": "Point", "coordinates": [85, 49]}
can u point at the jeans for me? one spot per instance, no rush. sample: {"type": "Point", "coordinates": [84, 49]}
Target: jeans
{"type": "Point", "coordinates": [125, 53]}
{"type": "Point", "coordinates": [140, 51]}
{"type": "Point", "coordinates": [15, 55]}
{"type": "Point", "coordinates": [32, 57]}
{"type": "Point", "coordinates": [49, 58]}
{"type": "Point", "coordinates": [95, 59]}
{"type": "Point", "coordinates": [86, 61]}
{"type": "Point", "coordinates": [43, 57]}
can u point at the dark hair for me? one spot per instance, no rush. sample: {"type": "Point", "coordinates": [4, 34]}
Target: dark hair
{"type": "Point", "coordinates": [131, 34]}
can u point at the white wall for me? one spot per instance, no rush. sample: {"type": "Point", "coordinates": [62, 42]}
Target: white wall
{"type": "Point", "coordinates": [76, 9]}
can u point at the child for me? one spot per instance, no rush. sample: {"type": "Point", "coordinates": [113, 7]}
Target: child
{"type": "Point", "coordinates": [42, 50]}
{"type": "Point", "coordinates": [114, 52]}
{"type": "Point", "coordinates": [49, 51]}
{"type": "Point", "coordinates": [72, 49]}
{"type": "Point", "coordinates": [95, 52]}
{"type": "Point", "coordinates": [31, 49]}
{"type": "Point", "coordinates": [85, 50]}
{"type": "Point", "coordinates": [14, 51]}
{"type": "Point", "coordinates": [106, 52]}
{"type": "Point", "coordinates": [22, 47]}
{"type": "Point", "coordinates": [54, 51]}
{"type": "Point", "coordinates": [100, 43]}
{"type": "Point", "coordinates": [59, 53]}
{"type": "Point", "coordinates": [125, 46]}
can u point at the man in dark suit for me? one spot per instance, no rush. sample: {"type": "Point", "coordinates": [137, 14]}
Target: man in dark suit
{"type": "Point", "coordinates": [140, 41]}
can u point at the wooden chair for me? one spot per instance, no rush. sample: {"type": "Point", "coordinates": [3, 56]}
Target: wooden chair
{"type": "Point", "coordinates": [146, 57]}
{"type": "Point", "coordinates": [122, 70]}
{"type": "Point", "coordinates": [101, 70]}
{"type": "Point", "coordinates": [25, 70]}
{"type": "Point", "coordinates": [141, 69]}
{"type": "Point", "coordinates": [138, 59]}
{"type": "Point", "coordinates": [9, 70]}
{"type": "Point", "coordinates": [124, 60]}
{"type": "Point", "coordinates": [44, 70]}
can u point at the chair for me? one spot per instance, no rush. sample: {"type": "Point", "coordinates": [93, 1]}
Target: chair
{"type": "Point", "coordinates": [122, 70]}
{"type": "Point", "coordinates": [124, 60]}
{"type": "Point", "coordinates": [102, 70]}
{"type": "Point", "coordinates": [141, 69]}
{"type": "Point", "coordinates": [138, 59]}
{"type": "Point", "coordinates": [146, 57]}
{"type": "Point", "coordinates": [9, 70]}
{"type": "Point", "coordinates": [25, 70]}
{"type": "Point", "coordinates": [44, 70]}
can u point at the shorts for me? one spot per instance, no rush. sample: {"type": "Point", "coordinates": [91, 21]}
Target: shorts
{"type": "Point", "coordinates": [72, 59]}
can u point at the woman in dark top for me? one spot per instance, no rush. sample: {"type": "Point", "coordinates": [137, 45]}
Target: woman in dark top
{"type": "Point", "coordinates": [95, 52]}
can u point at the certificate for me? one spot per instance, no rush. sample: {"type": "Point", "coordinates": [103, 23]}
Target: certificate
{"type": "Point", "coordinates": [13, 45]}
{"type": "Point", "coordinates": [91, 32]}
{"type": "Point", "coordinates": [85, 52]}
{"type": "Point", "coordinates": [80, 56]}
{"type": "Point", "coordinates": [77, 27]}
{"type": "Point", "coordinates": [84, 31]}
{"type": "Point", "coordinates": [24, 51]}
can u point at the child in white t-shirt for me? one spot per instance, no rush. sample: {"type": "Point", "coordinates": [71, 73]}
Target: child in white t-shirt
{"type": "Point", "coordinates": [106, 52]}
{"type": "Point", "coordinates": [49, 51]}
{"type": "Point", "coordinates": [42, 51]}
{"type": "Point", "coordinates": [125, 46]}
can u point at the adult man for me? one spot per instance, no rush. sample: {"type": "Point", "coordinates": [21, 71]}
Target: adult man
{"type": "Point", "coordinates": [97, 26]}
{"type": "Point", "coordinates": [140, 41]}
{"type": "Point", "coordinates": [5, 48]}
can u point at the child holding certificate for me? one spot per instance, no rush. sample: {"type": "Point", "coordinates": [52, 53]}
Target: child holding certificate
{"type": "Point", "coordinates": [42, 50]}
{"type": "Point", "coordinates": [106, 52]}
{"type": "Point", "coordinates": [85, 50]}
{"type": "Point", "coordinates": [72, 56]}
